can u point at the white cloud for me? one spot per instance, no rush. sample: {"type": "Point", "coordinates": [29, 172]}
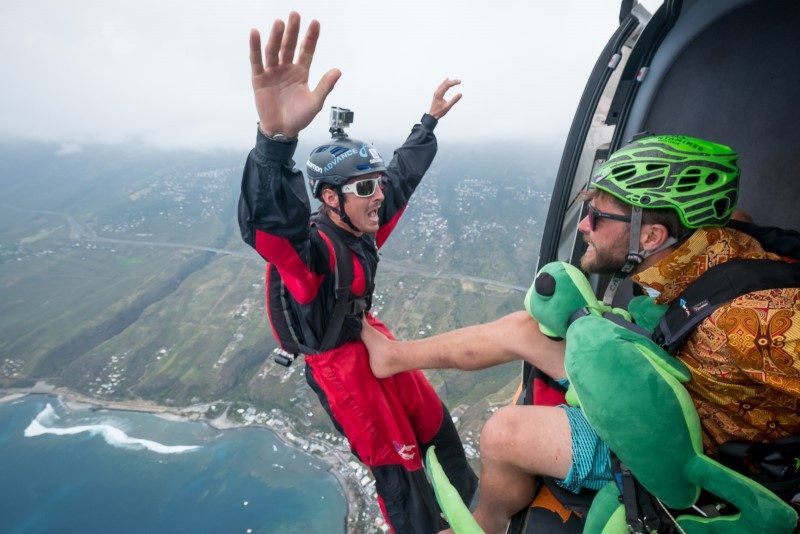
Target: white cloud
{"type": "Point", "coordinates": [176, 74]}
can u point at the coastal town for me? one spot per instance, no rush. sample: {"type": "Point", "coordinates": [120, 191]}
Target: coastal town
{"type": "Point", "coordinates": [358, 485]}
{"type": "Point", "coordinates": [159, 305]}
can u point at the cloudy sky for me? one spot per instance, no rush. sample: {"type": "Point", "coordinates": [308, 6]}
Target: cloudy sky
{"type": "Point", "coordinates": [176, 73]}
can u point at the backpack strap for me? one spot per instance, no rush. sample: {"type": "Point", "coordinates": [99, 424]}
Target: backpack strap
{"type": "Point", "coordinates": [305, 331]}
{"type": "Point", "coordinates": [279, 309]}
{"type": "Point", "coordinates": [716, 287]}
{"type": "Point", "coordinates": [345, 304]}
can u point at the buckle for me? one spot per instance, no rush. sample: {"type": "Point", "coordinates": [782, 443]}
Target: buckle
{"type": "Point", "coordinates": [357, 306]}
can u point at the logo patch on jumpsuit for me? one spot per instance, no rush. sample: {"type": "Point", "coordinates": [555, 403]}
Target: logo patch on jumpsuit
{"type": "Point", "coordinates": [406, 452]}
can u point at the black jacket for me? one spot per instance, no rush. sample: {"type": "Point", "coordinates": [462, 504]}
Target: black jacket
{"type": "Point", "coordinates": [274, 216]}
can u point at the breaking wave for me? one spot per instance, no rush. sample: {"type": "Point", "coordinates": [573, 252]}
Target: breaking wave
{"type": "Point", "coordinates": [111, 434]}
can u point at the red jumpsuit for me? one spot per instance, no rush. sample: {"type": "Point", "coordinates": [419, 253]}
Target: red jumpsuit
{"type": "Point", "coordinates": [390, 422]}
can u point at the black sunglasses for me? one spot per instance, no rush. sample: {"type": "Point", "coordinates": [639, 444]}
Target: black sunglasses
{"type": "Point", "coordinates": [594, 215]}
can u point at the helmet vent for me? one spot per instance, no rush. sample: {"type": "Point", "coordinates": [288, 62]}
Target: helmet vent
{"type": "Point", "coordinates": [320, 149]}
{"type": "Point", "coordinates": [653, 183]}
{"type": "Point", "coordinates": [336, 150]}
{"type": "Point", "coordinates": [656, 166]}
{"type": "Point", "coordinates": [712, 178]}
{"type": "Point", "coordinates": [623, 172]}
{"type": "Point", "coordinates": [721, 207]}
{"type": "Point", "coordinates": [688, 181]}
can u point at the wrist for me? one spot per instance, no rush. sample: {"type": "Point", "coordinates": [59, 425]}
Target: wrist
{"type": "Point", "coordinates": [276, 135]}
{"type": "Point", "coordinates": [429, 121]}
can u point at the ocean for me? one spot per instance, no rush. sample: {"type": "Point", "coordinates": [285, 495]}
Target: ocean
{"type": "Point", "coordinates": [87, 471]}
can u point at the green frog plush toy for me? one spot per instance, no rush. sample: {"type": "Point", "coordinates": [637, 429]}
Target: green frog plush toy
{"type": "Point", "coordinates": [632, 394]}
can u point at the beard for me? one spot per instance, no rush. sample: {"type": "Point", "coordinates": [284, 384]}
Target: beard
{"type": "Point", "coordinates": [604, 261]}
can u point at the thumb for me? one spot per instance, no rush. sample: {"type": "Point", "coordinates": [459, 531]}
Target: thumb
{"type": "Point", "coordinates": [325, 85]}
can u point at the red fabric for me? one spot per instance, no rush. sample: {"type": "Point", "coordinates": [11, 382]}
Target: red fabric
{"type": "Point", "coordinates": [300, 281]}
{"type": "Point", "coordinates": [385, 420]}
{"type": "Point", "coordinates": [359, 280]}
{"type": "Point", "coordinates": [331, 251]}
{"type": "Point", "coordinates": [544, 395]}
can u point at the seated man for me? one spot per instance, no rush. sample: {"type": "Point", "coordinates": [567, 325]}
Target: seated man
{"type": "Point", "coordinates": [656, 212]}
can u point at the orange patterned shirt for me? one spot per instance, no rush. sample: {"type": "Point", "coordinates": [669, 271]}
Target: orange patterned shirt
{"type": "Point", "coordinates": [745, 357]}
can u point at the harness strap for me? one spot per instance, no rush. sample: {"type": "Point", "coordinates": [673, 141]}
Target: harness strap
{"type": "Point", "coordinates": [345, 304]}
{"type": "Point", "coordinates": [640, 511]}
{"type": "Point", "coordinates": [614, 318]}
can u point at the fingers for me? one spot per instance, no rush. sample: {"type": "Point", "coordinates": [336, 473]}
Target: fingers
{"type": "Point", "coordinates": [440, 106]}
{"type": "Point", "coordinates": [274, 43]}
{"type": "Point", "coordinates": [325, 85]}
{"type": "Point", "coordinates": [256, 63]}
{"type": "Point", "coordinates": [444, 86]}
{"type": "Point", "coordinates": [290, 38]}
{"type": "Point", "coordinates": [309, 45]}
{"type": "Point", "coordinates": [451, 102]}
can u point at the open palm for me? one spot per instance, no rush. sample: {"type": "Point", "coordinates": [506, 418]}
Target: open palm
{"type": "Point", "coordinates": [284, 101]}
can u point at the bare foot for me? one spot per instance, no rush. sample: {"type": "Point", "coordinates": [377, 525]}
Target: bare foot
{"type": "Point", "coordinates": [379, 348]}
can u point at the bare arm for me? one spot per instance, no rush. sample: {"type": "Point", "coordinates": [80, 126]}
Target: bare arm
{"type": "Point", "coordinates": [513, 337]}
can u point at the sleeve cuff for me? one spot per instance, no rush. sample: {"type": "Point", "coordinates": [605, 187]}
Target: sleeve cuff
{"type": "Point", "coordinates": [429, 122]}
{"type": "Point", "coordinates": [268, 149]}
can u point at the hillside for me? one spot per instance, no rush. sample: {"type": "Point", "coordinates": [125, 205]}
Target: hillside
{"type": "Point", "coordinates": [123, 275]}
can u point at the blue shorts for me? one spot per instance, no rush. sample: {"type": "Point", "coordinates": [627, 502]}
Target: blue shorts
{"type": "Point", "coordinates": [591, 458]}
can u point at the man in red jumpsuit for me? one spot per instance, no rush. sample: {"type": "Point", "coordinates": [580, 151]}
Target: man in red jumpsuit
{"type": "Point", "coordinates": [390, 422]}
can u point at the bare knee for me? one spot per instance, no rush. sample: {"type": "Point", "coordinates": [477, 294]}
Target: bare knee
{"type": "Point", "coordinates": [498, 437]}
{"type": "Point", "coordinates": [531, 439]}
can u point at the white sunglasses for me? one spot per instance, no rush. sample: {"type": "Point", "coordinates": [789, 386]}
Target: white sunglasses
{"type": "Point", "coordinates": [364, 188]}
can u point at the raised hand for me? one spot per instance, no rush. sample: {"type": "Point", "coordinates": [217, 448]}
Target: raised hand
{"type": "Point", "coordinates": [284, 102]}
{"type": "Point", "coordinates": [440, 106]}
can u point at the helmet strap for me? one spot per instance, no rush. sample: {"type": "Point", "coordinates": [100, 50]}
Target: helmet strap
{"type": "Point", "coordinates": [635, 255]}
{"type": "Point", "coordinates": [342, 214]}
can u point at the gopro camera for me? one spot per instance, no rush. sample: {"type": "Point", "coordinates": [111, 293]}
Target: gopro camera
{"type": "Point", "coordinates": [341, 118]}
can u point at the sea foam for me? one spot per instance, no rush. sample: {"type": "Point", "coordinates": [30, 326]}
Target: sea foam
{"type": "Point", "coordinates": [111, 434]}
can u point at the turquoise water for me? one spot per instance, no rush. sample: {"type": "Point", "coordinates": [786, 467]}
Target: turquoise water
{"type": "Point", "coordinates": [101, 471]}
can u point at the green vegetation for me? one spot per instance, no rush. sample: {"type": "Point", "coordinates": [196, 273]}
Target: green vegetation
{"type": "Point", "coordinates": [105, 289]}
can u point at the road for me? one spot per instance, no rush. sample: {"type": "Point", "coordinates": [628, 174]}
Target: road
{"type": "Point", "coordinates": [80, 232]}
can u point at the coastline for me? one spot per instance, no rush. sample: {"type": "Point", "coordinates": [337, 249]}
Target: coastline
{"type": "Point", "coordinates": [350, 486]}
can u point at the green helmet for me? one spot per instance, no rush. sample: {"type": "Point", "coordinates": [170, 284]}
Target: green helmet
{"type": "Point", "coordinates": [698, 179]}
